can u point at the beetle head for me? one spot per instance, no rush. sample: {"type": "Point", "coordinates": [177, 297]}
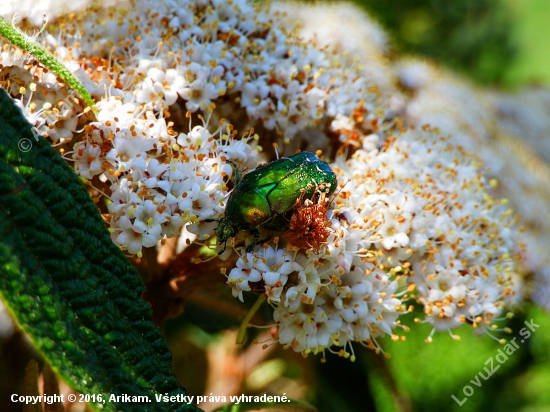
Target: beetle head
{"type": "Point", "coordinates": [224, 231]}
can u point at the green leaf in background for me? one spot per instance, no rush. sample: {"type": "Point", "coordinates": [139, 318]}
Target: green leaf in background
{"type": "Point", "coordinates": [474, 37]}
{"type": "Point", "coordinates": [67, 285]}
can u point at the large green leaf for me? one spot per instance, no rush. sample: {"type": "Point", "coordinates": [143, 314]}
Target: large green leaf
{"type": "Point", "coordinates": [67, 285]}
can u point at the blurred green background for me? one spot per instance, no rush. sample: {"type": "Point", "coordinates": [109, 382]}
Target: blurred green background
{"type": "Point", "coordinates": [494, 42]}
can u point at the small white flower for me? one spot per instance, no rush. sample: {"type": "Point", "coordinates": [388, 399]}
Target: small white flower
{"type": "Point", "coordinates": [160, 85]}
{"type": "Point", "coordinates": [87, 159]}
{"type": "Point", "coordinates": [129, 152]}
{"type": "Point", "coordinates": [130, 237]}
{"type": "Point", "coordinates": [244, 273]}
{"type": "Point", "coordinates": [148, 218]}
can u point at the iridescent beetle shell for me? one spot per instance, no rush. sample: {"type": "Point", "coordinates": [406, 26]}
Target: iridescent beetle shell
{"type": "Point", "coordinates": [266, 196]}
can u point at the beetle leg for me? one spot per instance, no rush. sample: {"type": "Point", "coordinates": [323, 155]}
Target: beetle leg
{"type": "Point", "coordinates": [224, 247]}
{"type": "Point", "coordinates": [255, 238]}
{"type": "Point", "coordinates": [237, 171]}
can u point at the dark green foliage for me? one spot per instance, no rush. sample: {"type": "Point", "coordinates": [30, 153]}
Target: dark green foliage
{"type": "Point", "coordinates": [472, 36]}
{"type": "Point", "coordinates": [68, 286]}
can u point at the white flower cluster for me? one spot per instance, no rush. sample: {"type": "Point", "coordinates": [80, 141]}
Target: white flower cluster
{"type": "Point", "coordinates": [347, 28]}
{"type": "Point", "coordinates": [411, 219]}
{"type": "Point", "coordinates": [202, 52]}
{"type": "Point", "coordinates": [152, 199]}
{"type": "Point", "coordinates": [414, 215]}
{"type": "Point", "coordinates": [509, 134]}
{"type": "Point", "coordinates": [51, 109]}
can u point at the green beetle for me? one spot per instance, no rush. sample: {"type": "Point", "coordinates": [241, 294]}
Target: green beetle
{"type": "Point", "coordinates": [266, 196]}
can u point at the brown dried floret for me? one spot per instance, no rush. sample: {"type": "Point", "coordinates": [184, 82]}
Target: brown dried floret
{"type": "Point", "coordinates": [309, 223]}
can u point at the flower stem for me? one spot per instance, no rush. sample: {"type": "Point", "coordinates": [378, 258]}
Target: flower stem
{"type": "Point", "coordinates": [244, 324]}
{"type": "Point", "coordinates": [48, 60]}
